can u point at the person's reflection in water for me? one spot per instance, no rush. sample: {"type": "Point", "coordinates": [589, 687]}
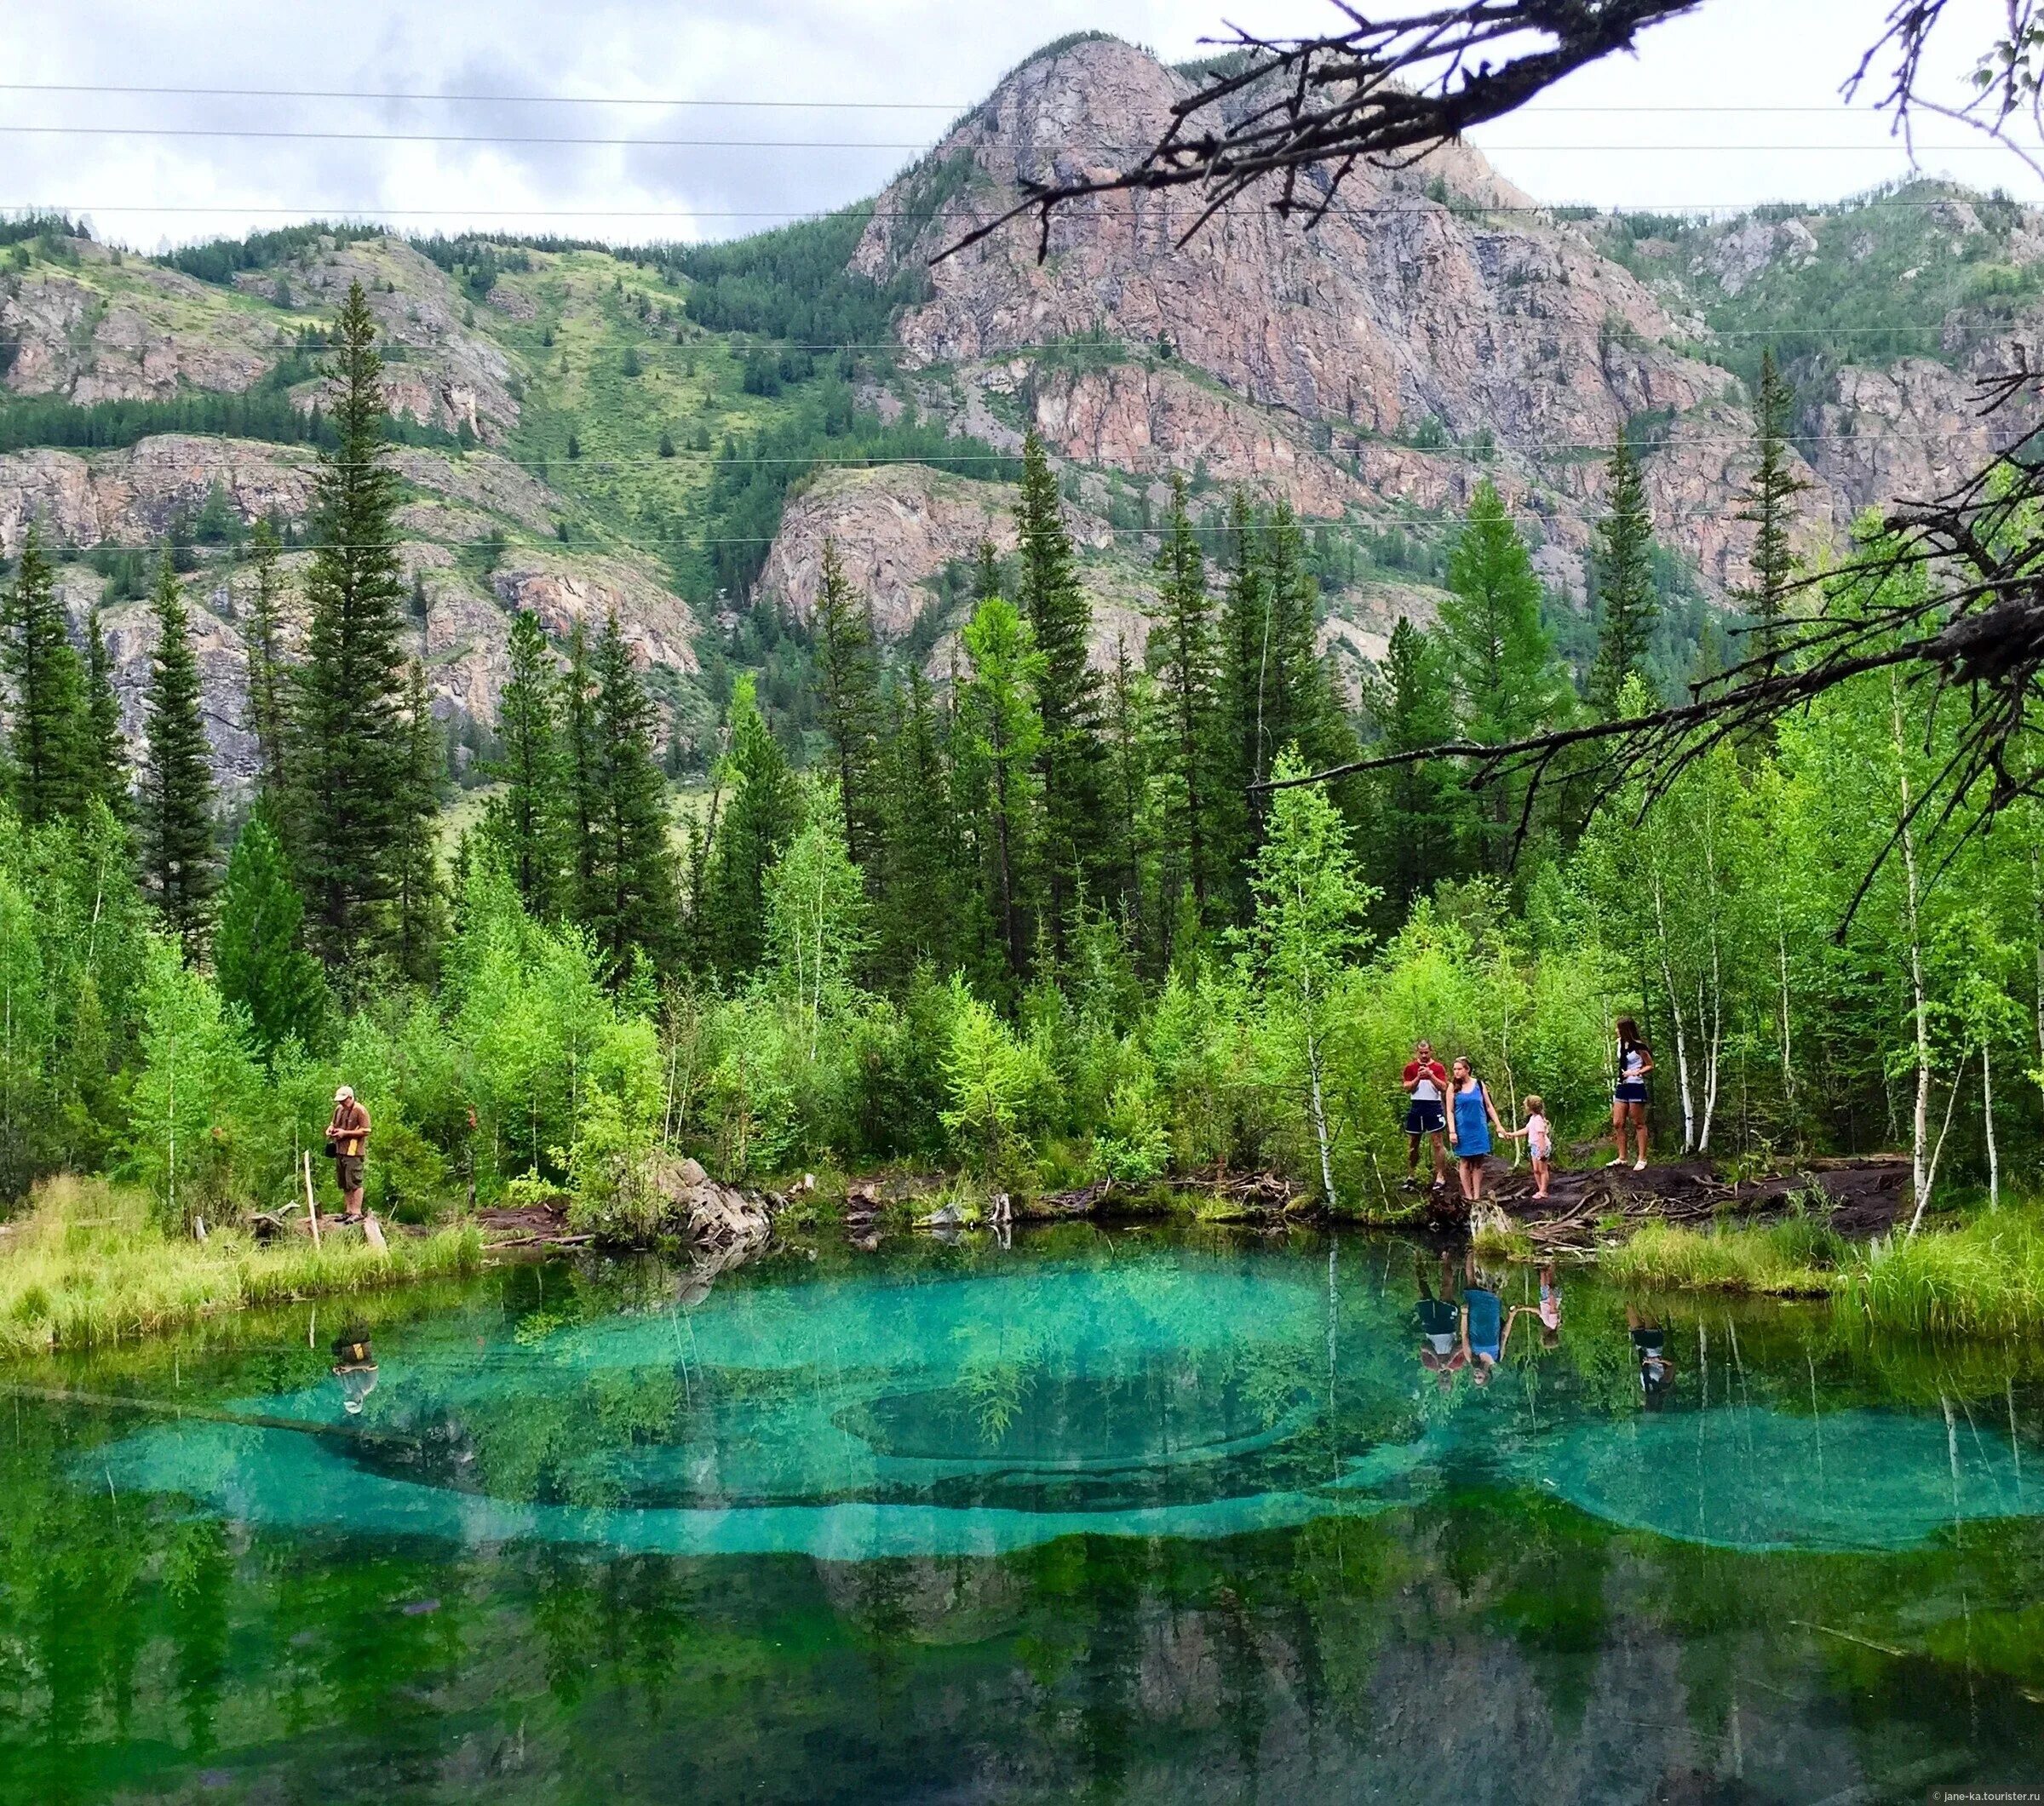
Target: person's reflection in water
{"type": "Point", "coordinates": [355, 1368]}
{"type": "Point", "coordinates": [1483, 1324]}
{"type": "Point", "coordinates": [1440, 1322]}
{"type": "Point", "coordinates": [1650, 1349]}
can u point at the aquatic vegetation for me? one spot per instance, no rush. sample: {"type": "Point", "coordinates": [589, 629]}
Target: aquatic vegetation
{"type": "Point", "coordinates": [90, 1264]}
{"type": "Point", "coordinates": [1797, 1256]}
{"type": "Point", "coordinates": [1985, 1277]}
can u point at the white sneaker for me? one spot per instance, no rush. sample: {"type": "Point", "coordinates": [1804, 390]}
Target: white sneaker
{"type": "Point", "coordinates": [1639, 1165]}
{"type": "Point", "coordinates": [1620, 1161]}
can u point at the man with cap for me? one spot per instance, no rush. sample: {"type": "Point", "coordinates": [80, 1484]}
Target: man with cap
{"type": "Point", "coordinates": [347, 1136]}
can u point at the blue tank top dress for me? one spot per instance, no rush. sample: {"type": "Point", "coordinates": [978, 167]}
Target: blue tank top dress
{"type": "Point", "coordinates": [1472, 1124]}
{"type": "Point", "coordinates": [1486, 1322]}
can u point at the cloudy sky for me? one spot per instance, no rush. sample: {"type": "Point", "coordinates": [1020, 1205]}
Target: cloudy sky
{"type": "Point", "coordinates": [1737, 104]}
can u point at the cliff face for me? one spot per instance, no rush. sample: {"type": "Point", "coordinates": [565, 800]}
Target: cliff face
{"type": "Point", "coordinates": [153, 491]}
{"type": "Point", "coordinates": [1436, 306]}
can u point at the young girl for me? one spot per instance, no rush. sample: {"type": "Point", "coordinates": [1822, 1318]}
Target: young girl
{"type": "Point", "coordinates": [1539, 1142]}
{"type": "Point", "coordinates": [1469, 1124]}
{"type": "Point", "coordinates": [1628, 1095]}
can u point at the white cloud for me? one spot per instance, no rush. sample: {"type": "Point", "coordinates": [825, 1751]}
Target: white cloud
{"type": "Point", "coordinates": [143, 189]}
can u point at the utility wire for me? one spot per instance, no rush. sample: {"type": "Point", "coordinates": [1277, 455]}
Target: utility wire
{"type": "Point", "coordinates": [575, 99]}
{"type": "Point", "coordinates": [819, 144]}
{"type": "Point", "coordinates": [1415, 202]}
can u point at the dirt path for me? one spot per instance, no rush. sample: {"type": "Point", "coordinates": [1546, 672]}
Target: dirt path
{"type": "Point", "coordinates": [1867, 1196]}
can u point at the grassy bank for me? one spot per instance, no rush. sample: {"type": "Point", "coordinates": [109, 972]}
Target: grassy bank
{"type": "Point", "coordinates": [89, 1266]}
{"type": "Point", "coordinates": [1982, 1277]}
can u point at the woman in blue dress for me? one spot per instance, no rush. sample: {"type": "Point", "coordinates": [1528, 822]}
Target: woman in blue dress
{"type": "Point", "coordinates": [1471, 1117]}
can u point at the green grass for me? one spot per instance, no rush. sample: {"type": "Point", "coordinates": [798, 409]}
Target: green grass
{"type": "Point", "coordinates": [1984, 1278]}
{"type": "Point", "coordinates": [89, 1266]}
{"type": "Point", "coordinates": [1797, 1256]}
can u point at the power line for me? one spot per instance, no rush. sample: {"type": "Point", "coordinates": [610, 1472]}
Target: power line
{"type": "Point", "coordinates": [575, 99]}
{"type": "Point", "coordinates": [1416, 202]}
{"type": "Point", "coordinates": [818, 144]}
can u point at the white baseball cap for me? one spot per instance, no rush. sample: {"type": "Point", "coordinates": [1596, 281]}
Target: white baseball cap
{"type": "Point", "coordinates": [345, 1095]}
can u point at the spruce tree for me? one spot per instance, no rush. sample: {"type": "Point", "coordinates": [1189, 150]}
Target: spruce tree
{"type": "Point", "coordinates": [350, 753]}
{"type": "Point", "coordinates": [1060, 616]}
{"type": "Point", "coordinates": [921, 839]}
{"type": "Point", "coordinates": [1771, 507]}
{"type": "Point", "coordinates": [51, 757]}
{"type": "Point", "coordinates": [524, 821]}
{"type": "Point", "coordinates": [1421, 812]}
{"type": "Point", "coordinates": [1625, 602]}
{"type": "Point", "coordinates": [631, 899]}
{"type": "Point", "coordinates": [1245, 622]}
{"type": "Point", "coordinates": [1188, 677]}
{"type": "Point", "coordinates": [176, 794]}
{"type": "Point", "coordinates": [850, 676]}
{"type": "Point", "coordinates": [262, 638]}
{"type": "Point", "coordinates": [999, 738]}
{"type": "Point", "coordinates": [580, 756]}
{"type": "Point", "coordinates": [1507, 681]}
{"type": "Point", "coordinates": [1131, 732]}
{"type": "Point", "coordinates": [256, 956]}
{"type": "Point", "coordinates": [418, 901]}
{"type": "Point", "coordinates": [106, 752]}
{"type": "Point", "coordinates": [762, 817]}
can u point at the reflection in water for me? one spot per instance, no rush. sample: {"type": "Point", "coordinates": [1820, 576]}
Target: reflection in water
{"type": "Point", "coordinates": [1184, 1522]}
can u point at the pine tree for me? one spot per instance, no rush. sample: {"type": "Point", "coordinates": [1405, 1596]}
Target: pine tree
{"type": "Point", "coordinates": [419, 899]}
{"type": "Point", "coordinates": [1060, 616]}
{"type": "Point", "coordinates": [256, 956]}
{"type": "Point", "coordinates": [1507, 681]}
{"type": "Point", "coordinates": [1131, 730]}
{"type": "Point", "coordinates": [1245, 623]}
{"type": "Point", "coordinates": [762, 817]}
{"type": "Point", "coordinates": [349, 758]}
{"type": "Point", "coordinates": [1771, 507]}
{"type": "Point", "coordinates": [261, 633]}
{"type": "Point", "coordinates": [51, 757]}
{"type": "Point", "coordinates": [921, 841]}
{"type": "Point", "coordinates": [1421, 811]}
{"type": "Point", "coordinates": [580, 756]}
{"type": "Point", "coordinates": [999, 738]}
{"type": "Point", "coordinates": [1302, 707]}
{"type": "Point", "coordinates": [524, 821]}
{"type": "Point", "coordinates": [631, 899]}
{"type": "Point", "coordinates": [850, 675]}
{"type": "Point", "coordinates": [176, 796]}
{"type": "Point", "coordinates": [1188, 678]}
{"type": "Point", "coordinates": [106, 752]}
{"type": "Point", "coordinates": [1626, 602]}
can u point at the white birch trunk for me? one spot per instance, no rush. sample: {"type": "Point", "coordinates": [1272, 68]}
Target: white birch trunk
{"type": "Point", "coordinates": [1675, 1011]}
{"type": "Point", "coordinates": [1922, 1164]}
{"type": "Point", "coordinates": [1987, 1113]}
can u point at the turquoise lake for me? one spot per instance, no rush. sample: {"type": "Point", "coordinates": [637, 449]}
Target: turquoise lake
{"type": "Point", "coordinates": [1128, 1515]}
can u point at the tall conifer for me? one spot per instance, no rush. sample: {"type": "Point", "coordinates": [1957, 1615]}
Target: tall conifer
{"type": "Point", "coordinates": [1060, 615]}
{"type": "Point", "coordinates": [176, 797]}
{"type": "Point", "coordinates": [921, 859]}
{"type": "Point", "coordinates": [350, 753]}
{"type": "Point", "coordinates": [1627, 605]}
{"type": "Point", "coordinates": [106, 752]}
{"type": "Point", "coordinates": [1771, 507]}
{"type": "Point", "coordinates": [419, 900]}
{"type": "Point", "coordinates": [1507, 681]}
{"type": "Point", "coordinates": [256, 955]}
{"type": "Point", "coordinates": [1000, 739]}
{"type": "Point", "coordinates": [580, 756]}
{"type": "Point", "coordinates": [850, 675]}
{"type": "Point", "coordinates": [1188, 677]}
{"type": "Point", "coordinates": [631, 898]}
{"type": "Point", "coordinates": [50, 753]}
{"type": "Point", "coordinates": [261, 636]}
{"type": "Point", "coordinates": [524, 818]}
{"type": "Point", "coordinates": [761, 819]}
{"type": "Point", "coordinates": [1422, 809]}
